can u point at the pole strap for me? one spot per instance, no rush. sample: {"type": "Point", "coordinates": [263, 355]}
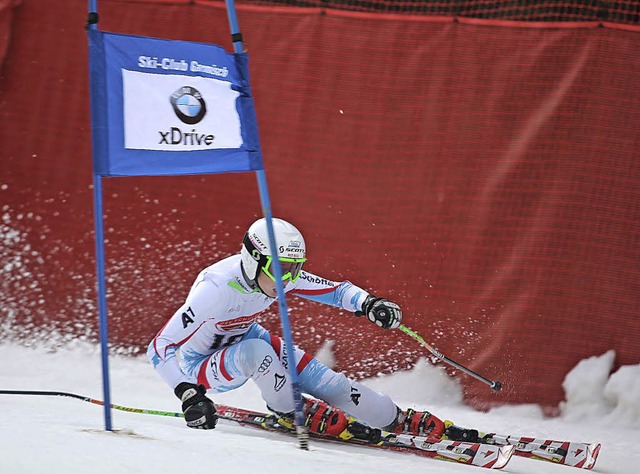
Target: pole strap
{"type": "Point", "coordinates": [92, 19]}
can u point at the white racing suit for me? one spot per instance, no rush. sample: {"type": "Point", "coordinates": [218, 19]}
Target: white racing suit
{"type": "Point", "coordinates": [214, 340]}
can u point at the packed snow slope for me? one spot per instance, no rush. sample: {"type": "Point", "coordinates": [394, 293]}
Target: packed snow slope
{"type": "Point", "coordinates": [43, 434]}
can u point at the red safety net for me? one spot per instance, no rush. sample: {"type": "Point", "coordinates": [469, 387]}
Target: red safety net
{"type": "Point", "coordinates": [483, 175]}
{"type": "Point", "coordinates": [625, 12]}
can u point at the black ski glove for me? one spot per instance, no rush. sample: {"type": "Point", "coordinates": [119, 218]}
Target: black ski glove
{"type": "Point", "coordinates": [199, 411]}
{"type": "Point", "coordinates": [382, 312]}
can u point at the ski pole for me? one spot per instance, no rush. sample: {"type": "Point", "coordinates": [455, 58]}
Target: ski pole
{"type": "Point", "coordinates": [224, 412]}
{"type": "Point", "coordinates": [495, 385]}
{"type": "Point", "coordinates": [92, 400]}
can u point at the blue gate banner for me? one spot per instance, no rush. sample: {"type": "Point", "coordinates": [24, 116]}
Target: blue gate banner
{"type": "Point", "coordinates": [162, 107]}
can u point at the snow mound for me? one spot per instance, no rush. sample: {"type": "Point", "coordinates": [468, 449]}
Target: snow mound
{"type": "Point", "coordinates": [592, 393]}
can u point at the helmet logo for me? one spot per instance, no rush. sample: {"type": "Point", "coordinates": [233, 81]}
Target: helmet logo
{"type": "Point", "coordinates": [294, 246]}
{"type": "Point", "coordinates": [255, 240]}
{"type": "Point", "coordinates": [255, 253]}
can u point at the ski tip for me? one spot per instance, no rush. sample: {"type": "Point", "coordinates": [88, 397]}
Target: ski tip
{"type": "Point", "coordinates": [592, 455]}
{"type": "Point", "coordinates": [492, 456]}
{"type": "Point", "coordinates": [504, 456]}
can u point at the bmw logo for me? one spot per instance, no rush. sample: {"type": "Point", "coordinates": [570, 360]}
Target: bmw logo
{"type": "Point", "coordinates": [188, 105]}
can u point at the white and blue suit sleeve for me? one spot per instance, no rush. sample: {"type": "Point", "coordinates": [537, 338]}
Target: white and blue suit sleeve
{"type": "Point", "coordinates": [344, 295]}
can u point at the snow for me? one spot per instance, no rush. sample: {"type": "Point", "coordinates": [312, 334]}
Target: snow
{"type": "Point", "coordinates": [45, 434]}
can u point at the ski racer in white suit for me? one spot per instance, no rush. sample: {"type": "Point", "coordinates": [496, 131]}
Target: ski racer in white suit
{"type": "Point", "coordinates": [213, 342]}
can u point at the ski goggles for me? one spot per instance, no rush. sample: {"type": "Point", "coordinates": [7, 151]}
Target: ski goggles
{"type": "Point", "coordinates": [291, 268]}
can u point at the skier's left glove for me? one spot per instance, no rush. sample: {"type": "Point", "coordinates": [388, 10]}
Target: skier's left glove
{"type": "Point", "coordinates": [382, 312]}
{"type": "Point", "coordinates": [199, 411]}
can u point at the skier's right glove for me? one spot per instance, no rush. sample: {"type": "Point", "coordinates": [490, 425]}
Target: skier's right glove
{"type": "Point", "coordinates": [381, 312]}
{"type": "Point", "coordinates": [199, 411]}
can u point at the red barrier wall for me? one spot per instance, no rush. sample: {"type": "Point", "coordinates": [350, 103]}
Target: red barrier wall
{"type": "Point", "coordinates": [485, 176]}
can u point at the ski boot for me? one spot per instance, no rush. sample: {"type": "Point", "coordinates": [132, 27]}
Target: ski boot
{"type": "Point", "coordinates": [419, 423]}
{"type": "Point", "coordinates": [325, 420]}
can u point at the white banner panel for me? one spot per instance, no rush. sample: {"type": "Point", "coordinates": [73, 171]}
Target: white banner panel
{"type": "Point", "coordinates": [173, 112]}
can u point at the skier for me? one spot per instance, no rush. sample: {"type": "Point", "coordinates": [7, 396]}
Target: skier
{"type": "Point", "coordinates": [213, 343]}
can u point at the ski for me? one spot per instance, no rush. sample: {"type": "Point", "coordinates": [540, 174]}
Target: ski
{"type": "Point", "coordinates": [492, 456]}
{"type": "Point", "coordinates": [568, 453]}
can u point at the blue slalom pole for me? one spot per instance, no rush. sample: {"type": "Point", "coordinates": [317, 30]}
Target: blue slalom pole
{"type": "Point", "coordinates": [303, 434]}
{"type": "Point", "coordinates": [100, 264]}
{"type": "Point", "coordinates": [102, 297]}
